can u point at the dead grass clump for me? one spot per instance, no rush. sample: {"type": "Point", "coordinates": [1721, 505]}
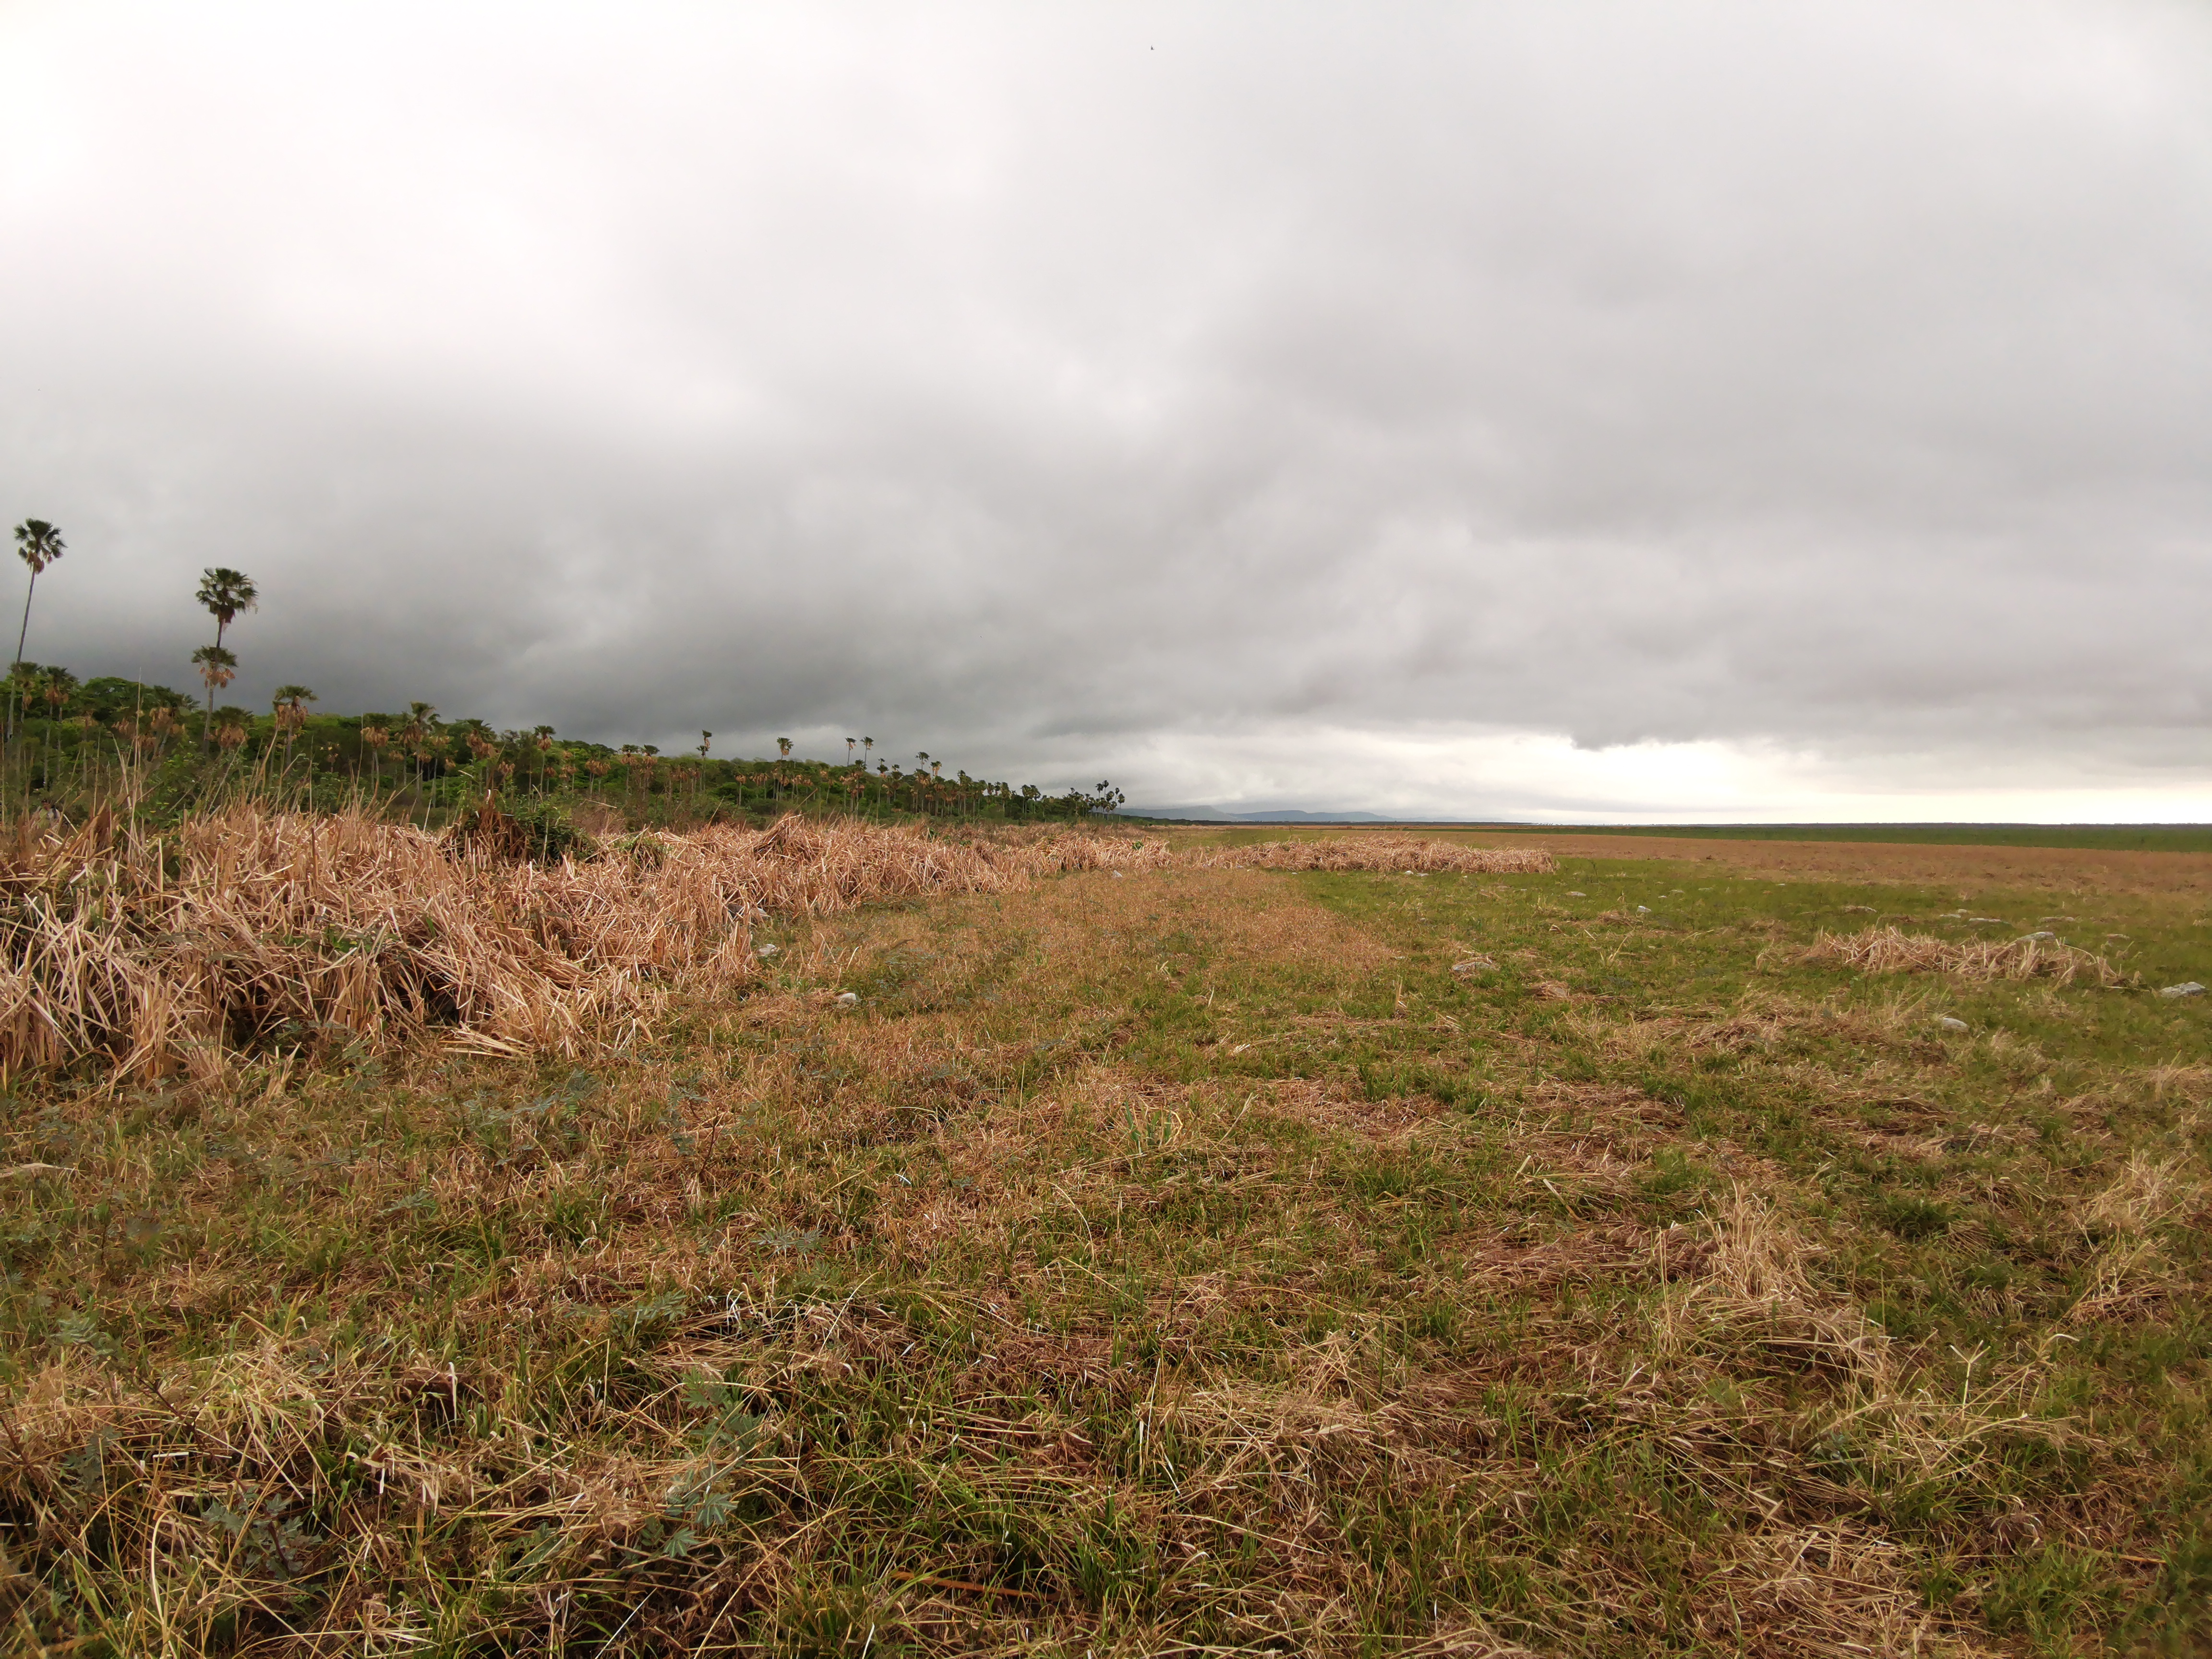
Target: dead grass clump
{"type": "Point", "coordinates": [1891, 950]}
{"type": "Point", "coordinates": [1409, 854]}
{"type": "Point", "coordinates": [2147, 1194]}
{"type": "Point", "coordinates": [2131, 1271]}
{"type": "Point", "coordinates": [149, 953]}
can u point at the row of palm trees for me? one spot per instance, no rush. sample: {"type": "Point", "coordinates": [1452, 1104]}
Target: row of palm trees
{"type": "Point", "coordinates": [437, 758]}
{"type": "Point", "coordinates": [223, 592]}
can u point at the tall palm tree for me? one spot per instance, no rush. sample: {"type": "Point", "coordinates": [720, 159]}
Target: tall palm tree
{"type": "Point", "coordinates": [38, 543]}
{"type": "Point", "coordinates": [867, 745]}
{"type": "Point", "coordinates": [218, 667]}
{"type": "Point", "coordinates": [223, 592]}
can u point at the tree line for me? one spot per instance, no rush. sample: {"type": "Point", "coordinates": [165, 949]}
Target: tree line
{"type": "Point", "coordinates": [67, 738]}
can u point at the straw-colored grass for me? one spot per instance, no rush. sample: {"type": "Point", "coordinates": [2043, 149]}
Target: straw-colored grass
{"type": "Point", "coordinates": [1187, 1263]}
{"type": "Point", "coordinates": [1892, 951]}
{"type": "Point", "coordinates": [151, 953]}
{"type": "Point", "coordinates": [1410, 854]}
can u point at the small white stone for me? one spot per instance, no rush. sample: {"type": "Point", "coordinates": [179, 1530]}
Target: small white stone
{"type": "Point", "coordinates": [1572, 894]}
{"type": "Point", "coordinates": [2188, 987]}
{"type": "Point", "coordinates": [766, 951]}
{"type": "Point", "coordinates": [849, 999]}
{"type": "Point", "coordinates": [1950, 1025]}
{"type": "Point", "coordinates": [2043, 934]}
{"type": "Point", "coordinates": [1643, 909]}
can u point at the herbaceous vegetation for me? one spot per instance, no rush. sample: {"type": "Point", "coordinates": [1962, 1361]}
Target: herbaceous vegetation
{"type": "Point", "coordinates": [458, 1200]}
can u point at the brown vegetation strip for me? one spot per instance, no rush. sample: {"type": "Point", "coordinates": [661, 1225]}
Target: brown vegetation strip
{"type": "Point", "coordinates": [1891, 950]}
{"type": "Point", "coordinates": [155, 953]}
{"type": "Point", "coordinates": [1410, 854]}
{"type": "Point", "coordinates": [2089, 869]}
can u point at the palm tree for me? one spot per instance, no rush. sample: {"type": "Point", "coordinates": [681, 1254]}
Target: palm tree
{"type": "Point", "coordinates": [59, 688]}
{"type": "Point", "coordinates": [851, 743]}
{"type": "Point", "coordinates": [223, 592]}
{"type": "Point", "coordinates": [38, 543]}
{"type": "Point", "coordinates": [218, 668]}
{"type": "Point", "coordinates": [373, 737]}
{"type": "Point", "coordinates": [867, 744]}
{"type": "Point", "coordinates": [285, 704]}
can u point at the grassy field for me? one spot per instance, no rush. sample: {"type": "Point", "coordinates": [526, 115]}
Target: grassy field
{"type": "Point", "coordinates": [2113, 837]}
{"type": "Point", "coordinates": [2134, 837]}
{"type": "Point", "coordinates": [1185, 1260]}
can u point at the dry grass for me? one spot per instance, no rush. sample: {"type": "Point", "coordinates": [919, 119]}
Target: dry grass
{"type": "Point", "coordinates": [156, 953]}
{"type": "Point", "coordinates": [1892, 951]}
{"type": "Point", "coordinates": [1187, 1263]}
{"type": "Point", "coordinates": [1410, 854]}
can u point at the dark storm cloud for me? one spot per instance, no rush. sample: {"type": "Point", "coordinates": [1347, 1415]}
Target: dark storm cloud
{"type": "Point", "coordinates": [1263, 404]}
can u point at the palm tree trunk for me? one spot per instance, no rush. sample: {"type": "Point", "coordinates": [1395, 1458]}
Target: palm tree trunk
{"type": "Point", "coordinates": [21, 634]}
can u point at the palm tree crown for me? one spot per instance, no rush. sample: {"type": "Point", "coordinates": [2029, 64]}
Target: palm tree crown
{"type": "Point", "coordinates": [218, 668]}
{"type": "Point", "coordinates": [225, 592]}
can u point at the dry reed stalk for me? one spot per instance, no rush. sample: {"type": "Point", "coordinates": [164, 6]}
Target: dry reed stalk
{"type": "Point", "coordinates": [1409, 854]}
{"type": "Point", "coordinates": [1890, 950]}
{"type": "Point", "coordinates": [152, 953]}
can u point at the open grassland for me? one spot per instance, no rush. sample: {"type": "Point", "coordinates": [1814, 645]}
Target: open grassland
{"type": "Point", "coordinates": [1180, 1256]}
{"type": "Point", "coordinates": [2108, 837]}
{"type": "Point", "coordinates": [2029, 869]}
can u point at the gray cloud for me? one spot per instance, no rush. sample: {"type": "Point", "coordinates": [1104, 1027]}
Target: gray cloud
{"type": "Point", "coordinates": [1221, 399]}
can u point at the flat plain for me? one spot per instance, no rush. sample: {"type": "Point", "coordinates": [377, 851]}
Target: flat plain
{"type": "Point", "coordinates": [1180, 1259]}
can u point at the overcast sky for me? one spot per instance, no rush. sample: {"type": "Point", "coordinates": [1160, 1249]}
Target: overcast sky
{"type": "Point", "coordinates": [1689, 411]}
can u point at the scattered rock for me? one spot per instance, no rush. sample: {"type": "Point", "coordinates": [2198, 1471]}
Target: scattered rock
{"type": "Point", "coordinates": [1994, 922]}
{"type": "Point", "coordinates": [1118, 875]}
{"type": "Point", "coordinates": [1572, 894]}
{"type": "Point", "coordinates": [2188, 987]}
{"type": "Point", "coordinates": [1643, 909]}
{"type": "Point", "coordinates": [766, 951]}
{"type": "Point", "coordinates": [1950, 1023]}
{"type": "Point", "coordinates": [1474, 965]}
{"type": "Point", "coordinates": [848, 998]}
{"type": "Point", "coordinates": [2043, 933]}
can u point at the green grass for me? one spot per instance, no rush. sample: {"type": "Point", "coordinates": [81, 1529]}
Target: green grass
{"type": "Point", "coordinates": [2119, 837]}
{"type": "Point", "coordinates": [1188, 1262]}
{"type": "Point", "coordinates": [2111, 837]}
